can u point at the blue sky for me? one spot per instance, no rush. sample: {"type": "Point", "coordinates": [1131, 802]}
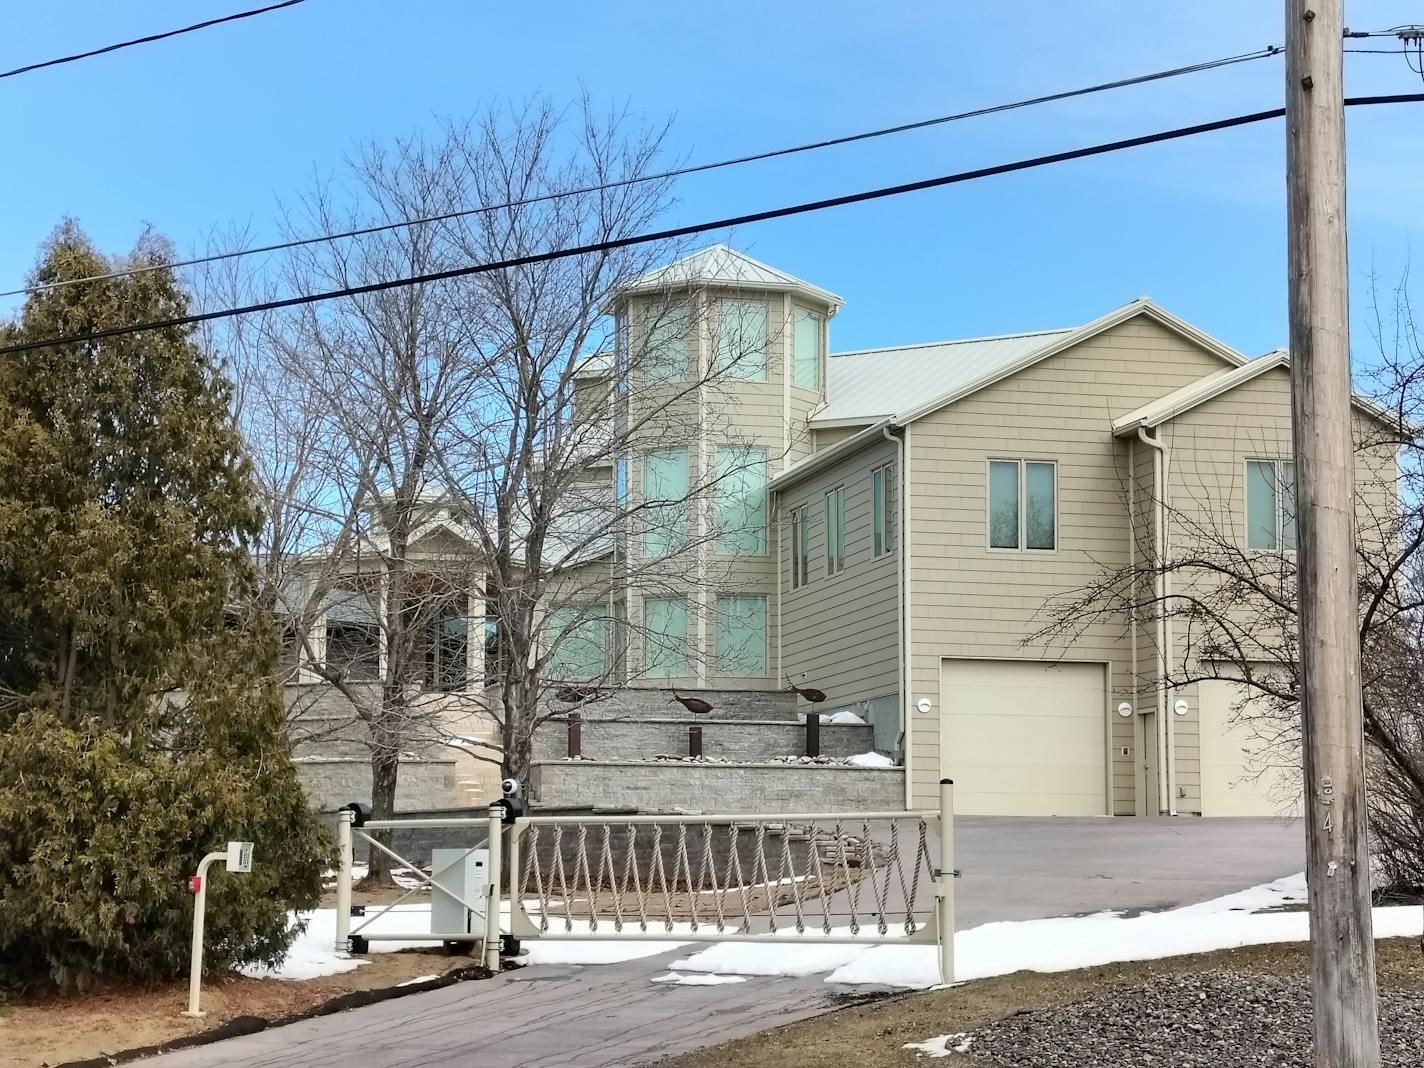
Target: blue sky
{"type": "Point", "coordinates": [214, 127]}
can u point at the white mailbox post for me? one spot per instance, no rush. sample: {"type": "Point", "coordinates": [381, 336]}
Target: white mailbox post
{"type": "Point", "coordinates": [238, 857]}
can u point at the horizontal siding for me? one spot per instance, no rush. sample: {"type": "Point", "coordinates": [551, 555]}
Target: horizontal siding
{"type": "Point", "coordinates": [840, 634]}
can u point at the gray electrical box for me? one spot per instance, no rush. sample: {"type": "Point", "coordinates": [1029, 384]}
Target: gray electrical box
{"type": "Point", "coordinates": [463, 872]}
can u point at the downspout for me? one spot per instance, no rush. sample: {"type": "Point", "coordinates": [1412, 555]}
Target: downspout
{"type": "Point", "coordinates": [902, 633]}
{"type": "Point", "coordinates": [1166, 754]}
{"type": "Point", "coordinates": [1137, 754]}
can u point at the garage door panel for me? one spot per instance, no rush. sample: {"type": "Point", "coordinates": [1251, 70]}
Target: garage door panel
{"type": "Point", "coordinates": [1242, 773]}
{"type": "Point", "coordinates": [1024, 737]}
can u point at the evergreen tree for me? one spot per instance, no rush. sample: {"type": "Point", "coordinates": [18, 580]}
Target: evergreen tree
{"type": "Point", "coordinates": [140, 722]}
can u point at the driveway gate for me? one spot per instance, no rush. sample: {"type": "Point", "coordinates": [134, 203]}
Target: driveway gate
{"type": "Point", "coordinates": [859, 878]}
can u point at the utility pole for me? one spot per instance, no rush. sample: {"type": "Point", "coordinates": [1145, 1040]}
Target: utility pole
{"type": "Point", "coordinates": [1337, 863]}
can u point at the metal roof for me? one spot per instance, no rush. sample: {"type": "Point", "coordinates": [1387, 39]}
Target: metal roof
{"type": "Point", "coordinates": [874, 384]}
{"type": "Point", "coordinates": [722, 265]}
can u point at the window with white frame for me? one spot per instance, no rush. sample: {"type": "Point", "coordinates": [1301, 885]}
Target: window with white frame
{"type": "Point", "coordinates": [800, 547]}
{"type": "Point", "coordinates": [807, 349]}
{"type": "Point", "coordinates": [741, 501]}
{"type": "Point", "coordinates": [835, 531]}
{"type": "Point", "coordinates": [1023, 505]}
{"type": "Point", "coordinates": [668, 341]}
{"type": "Point", "coordinates": [741, 339]}
{"type": "Point", "coordinates": [740, 636]}
{"type": "Point", "coordinates": [1270, 505]}
{"type": "Point", "coordinates": [665, 636]}
{"type": "Point", "coordinates": [882, 494]}
{"type": "Point", "coordinates": [665, 490]}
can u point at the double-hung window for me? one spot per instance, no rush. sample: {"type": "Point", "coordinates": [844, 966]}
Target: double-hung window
{"type": "Point", "coordinates": [665, 636]}
{"type": "Point", "coordinates": [835, 531]}
{"type": "Point", "coordinates": [1023, 505]}
{"type": "Point", "coordinates": [800, 547]}
{"type": "Point", "coordinates": [1270, 505]}
{"type": "Point", "coordinates": [882, 493]}
{"type": "Point", "coordinates": [807, 349]}
{"type": "Point", "coordinates": [741, 339]}
{"type": "Point", "coordinates": [665, 482]}
{"type": "Point", "coordinates": [578, 642]}
{"type": "Point", "coordinates": [741, 501]}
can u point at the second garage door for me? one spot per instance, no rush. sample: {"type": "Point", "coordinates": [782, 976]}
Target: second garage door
{"type": "Point", "coordinates": [1024, 738]}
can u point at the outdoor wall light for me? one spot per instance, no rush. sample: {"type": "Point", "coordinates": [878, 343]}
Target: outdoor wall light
{"type": "Point", "coordinates": [1180, 708]}
{"type": "Point", "coordinates": [1124, 710]}
{"type": "Point", "coordinates": [924, 704]}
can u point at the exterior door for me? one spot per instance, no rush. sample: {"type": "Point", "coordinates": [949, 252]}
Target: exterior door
{"type": "Point", "coordinates": [1245, 771]}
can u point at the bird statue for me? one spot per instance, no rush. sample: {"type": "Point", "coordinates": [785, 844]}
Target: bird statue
{"type": "Point", "coordinates": [574, 695]}
{"type": "Point", "coordinates": [808, 693]}
{"type": "Point", "coordinates": [695, 705]}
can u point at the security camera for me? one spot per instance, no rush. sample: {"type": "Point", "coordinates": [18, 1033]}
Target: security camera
{"type": "Point", "coordinates": [510, 787]}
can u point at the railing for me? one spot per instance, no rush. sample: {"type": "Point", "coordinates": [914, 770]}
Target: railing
{"type": "Point", "coordinates": [833, 878]}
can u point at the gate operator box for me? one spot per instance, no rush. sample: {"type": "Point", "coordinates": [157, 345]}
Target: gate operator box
{"type": "Point", "coordinates": [465, 873]}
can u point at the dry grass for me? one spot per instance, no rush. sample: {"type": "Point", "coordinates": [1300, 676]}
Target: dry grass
{"type": "Point", "coordinates": [52, 1029]}
{"type": "Point", "coordinates": [872, 1034]}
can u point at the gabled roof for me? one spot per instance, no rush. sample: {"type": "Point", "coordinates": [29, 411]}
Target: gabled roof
{"type": "Point", "coordinates": [909, 382]}
{"type": "Point", "coordinates": [1185, 398]}
{"type": "Point", "coordinates": [722, 265]}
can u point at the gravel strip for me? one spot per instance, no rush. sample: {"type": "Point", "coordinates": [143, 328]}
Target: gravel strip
{"type": "Point", "coordinates": [1219, 1019]}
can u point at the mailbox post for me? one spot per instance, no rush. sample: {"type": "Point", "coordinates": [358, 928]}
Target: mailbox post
{"type": "Point", "coordinates": [238, 858]}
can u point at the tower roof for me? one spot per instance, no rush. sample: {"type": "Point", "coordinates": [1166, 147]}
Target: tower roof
{"type": "Point", "coordinates": [722, 265]}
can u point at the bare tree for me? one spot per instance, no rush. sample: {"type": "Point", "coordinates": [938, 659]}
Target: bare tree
{"type": "Point", "coordinates": [1233, 607]}
{"type": "Point", "coordinates": [559, 468]}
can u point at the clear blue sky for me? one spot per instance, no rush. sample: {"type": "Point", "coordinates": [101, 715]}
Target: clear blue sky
{"type": "Point", "coordinates": [215, 126]}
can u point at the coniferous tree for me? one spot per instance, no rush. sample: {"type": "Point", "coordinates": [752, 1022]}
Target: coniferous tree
{"type": "Point", "coordinates": [140, 723]}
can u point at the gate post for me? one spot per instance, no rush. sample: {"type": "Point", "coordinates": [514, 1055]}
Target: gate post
{"type": "Point", "coordinates": [494, 842]}
{"type": "Point", "coordinates": [944, 882]}
{"type": "Point", "coordinates": [813, 733]}
{"type": "Point", "coordinates": [344, 819]}
{"type": "Point", "coordinates": [575, 732]}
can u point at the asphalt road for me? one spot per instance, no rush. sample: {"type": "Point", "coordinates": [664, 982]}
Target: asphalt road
{"type": "Point", "coordinates": [606, 1015]}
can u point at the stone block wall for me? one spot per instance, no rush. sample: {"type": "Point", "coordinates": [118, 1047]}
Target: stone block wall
{"type": "Point", "coordinates": [747, 741]}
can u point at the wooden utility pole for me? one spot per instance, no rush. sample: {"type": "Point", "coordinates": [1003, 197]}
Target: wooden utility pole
{"type": "Point", "coordinates": [1337, 863]}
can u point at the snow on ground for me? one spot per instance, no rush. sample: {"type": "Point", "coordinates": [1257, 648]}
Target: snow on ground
{"type": "Point", "coordinates": [845, 716]}
{"type": "Point", "coordinates": [697, 979]}
{"type": "Point", "coordinates": [942, 1045]}
{"type": "Point", "coordinates": [1053, 945]}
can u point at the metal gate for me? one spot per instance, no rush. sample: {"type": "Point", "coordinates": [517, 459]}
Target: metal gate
{"type": "Point", "coordinates": [835, 878]}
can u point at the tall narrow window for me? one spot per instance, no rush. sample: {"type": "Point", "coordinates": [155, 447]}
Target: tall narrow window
{"type": "Point", "coordinates": [667, 348]}
{"type": "Point", "coordinates": [1270, 505]}
{"type": "Point", "coordinates": [882, 492]}
{"type": "Point", "coordinates": [447, 647]}
{"type": "Point", "coordinates": [741, 634]}
{"type": "Point", "coordinates": [800, 547]}
{"type": "Point", "coordinates": [741, 339]}
{"type": "Point", "coordinates": [1023, 505]}
{"type": "Point", "coordinates": [665, 636]}
{"type": "Point", "coordinates": [741, 500]}
{"type": "Point", "coordinates": [807, 349]}
{"type": "Point", "coordinates": [835, 531]}
{"type": "Point", "coordinates": [665, 480]}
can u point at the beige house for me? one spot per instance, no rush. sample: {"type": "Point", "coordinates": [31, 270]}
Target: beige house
{"type": "Point", "coordinates": [926, 502]}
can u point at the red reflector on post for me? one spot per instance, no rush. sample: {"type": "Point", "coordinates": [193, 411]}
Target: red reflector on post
{"type": "Point", "coordinates": [195, 883]}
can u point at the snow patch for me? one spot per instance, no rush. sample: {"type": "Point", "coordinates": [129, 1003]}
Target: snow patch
{"type": "Point", "coordinates": [942, 1045]}
{"type": "Point", "coordinates": [418, 979]}
{"type": "Point", "coordinates": [871, 760]}
{"type": "Point", "coordinates": [697, 979]}
{"type": "Point", "coordinates": [844, 716]}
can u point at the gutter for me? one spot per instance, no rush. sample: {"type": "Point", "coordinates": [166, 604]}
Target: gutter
{"type": "Point", "coordinates": [902, 634]}
{"type": "Point", "coordinates": [824, 459]}
{"type": "Point", "coordinates": [1166, 742]}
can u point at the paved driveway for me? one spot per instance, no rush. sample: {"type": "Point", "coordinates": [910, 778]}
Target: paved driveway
{"type": "Point", "coordinates": [605, 1015]}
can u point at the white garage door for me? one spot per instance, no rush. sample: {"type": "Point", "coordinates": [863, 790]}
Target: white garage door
{"type": "Point", "coordinates": [1242, 774]}
{"type": "Point", "coordinates": [1024, 738]}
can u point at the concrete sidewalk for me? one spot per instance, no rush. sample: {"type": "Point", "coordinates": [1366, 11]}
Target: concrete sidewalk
{"type": "Point", "coordinates": [606, 1015]}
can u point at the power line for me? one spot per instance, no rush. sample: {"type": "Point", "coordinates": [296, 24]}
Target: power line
{"type": "Point", "coordinates": [150, 38]}
{"type": "Point", "coordinates": [699, 228]}
{"type": "Point", "coordinates": [678, 172]}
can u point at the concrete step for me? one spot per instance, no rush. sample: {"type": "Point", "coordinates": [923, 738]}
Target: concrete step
{"type": "Point", "coordinates": [642, 738]}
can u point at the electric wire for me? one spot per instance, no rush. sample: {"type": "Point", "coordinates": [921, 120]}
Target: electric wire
{"type": "Point", "coordinates": [697, 228]}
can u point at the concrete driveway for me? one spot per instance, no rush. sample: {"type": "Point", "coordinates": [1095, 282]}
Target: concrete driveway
{"type": "Point", "coordinates": [605, 1015]}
